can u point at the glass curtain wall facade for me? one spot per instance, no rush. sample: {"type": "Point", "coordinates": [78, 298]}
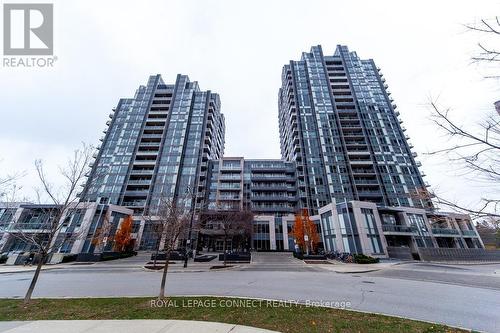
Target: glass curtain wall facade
{"type": "Point", "coordinates": [157, 144]}
{"type": "Point", "coordinates": [339, 124]}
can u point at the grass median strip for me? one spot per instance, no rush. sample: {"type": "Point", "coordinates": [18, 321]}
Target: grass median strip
{"type": "Point", "coordinates": [279, 316]}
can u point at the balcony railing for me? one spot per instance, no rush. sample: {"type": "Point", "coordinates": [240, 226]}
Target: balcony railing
{"type": "Point", "coordinates": [469, 233]}
{"type": "Point", "coordinates": [398, 228]}
{"type": "Point", "coordinates": [444, 231]}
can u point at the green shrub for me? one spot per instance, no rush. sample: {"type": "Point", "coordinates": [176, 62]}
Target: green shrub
{"type": "Point", "coordinates": [362, 259]}
{"type": "Point", "coordinates": [69, 257]}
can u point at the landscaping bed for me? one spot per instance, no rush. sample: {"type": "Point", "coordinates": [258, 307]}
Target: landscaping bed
{"type": "Point", "coordinates": [236, 257]}
{"type": "Point", "coordinates": [220, 266]}
{"type": "Point", "coordinates": [205, 258]}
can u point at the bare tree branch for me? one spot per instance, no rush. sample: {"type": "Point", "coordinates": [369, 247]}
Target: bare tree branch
{"type": "Point", "coordinates": [44, 233]}
{"type": "Point", "coordinates": [474, 149]}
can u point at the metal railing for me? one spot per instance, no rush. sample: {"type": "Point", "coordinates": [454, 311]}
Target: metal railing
{"type": "Point", "coordinates": [445, 231]}
{"type": "Point", "coordinates": [469, 233]}
{"type": "Point", "coordinates": [398, 228]}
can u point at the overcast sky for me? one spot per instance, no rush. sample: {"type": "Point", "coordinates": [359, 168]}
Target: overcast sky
{"type": "Point", "coordinates": [106, 49]}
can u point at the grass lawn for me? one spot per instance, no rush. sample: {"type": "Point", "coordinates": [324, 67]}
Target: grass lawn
{"type": "Point", "coordinates": [277, 316]}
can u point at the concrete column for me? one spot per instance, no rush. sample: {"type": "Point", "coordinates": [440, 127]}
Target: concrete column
{"type": "Point", "coordinates": [359, 221]}
{"type": "Point", "coordinates": [84, 228]}
{"type": "Point", "coordinates": [5, 241]}
{"type": "Point", "coordinates": [284, 224]}
{"type": "Point", "coordinates": [139, 235]}
{"type": "Point", "coordinates": [380, 231]}
{"type": "Point", "coordinates": [272, 233]}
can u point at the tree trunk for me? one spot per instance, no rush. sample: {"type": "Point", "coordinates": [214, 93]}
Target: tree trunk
{"type": "Point", "coordinates": [164, 276]}
{"type": "Point", "coordinates": [156, 255]}
{"type": "Point", "coordinates": [225, 250]}
{"type": "Point", "coordinates": [27, 297]}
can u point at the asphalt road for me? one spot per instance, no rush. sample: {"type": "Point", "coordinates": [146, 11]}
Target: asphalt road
{"type": "Point", "coordinates": [464, 296]}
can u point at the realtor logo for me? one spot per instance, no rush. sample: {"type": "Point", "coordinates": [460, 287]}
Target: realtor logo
{"type": "Point", "coordinates": [28, 29]}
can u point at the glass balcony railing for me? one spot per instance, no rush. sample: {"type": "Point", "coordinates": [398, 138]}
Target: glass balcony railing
{"type": "Point", "coordinates": [444, 231]}
{"type": "Point", "coordinates": [469, 233]}
{"type": "Point", "coordinates": [398, 228]}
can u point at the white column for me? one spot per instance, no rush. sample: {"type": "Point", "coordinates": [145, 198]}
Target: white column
{"type": "Point", "coordinates": [272, 233]}
{"type": "Point", "coordinates": [284, 224]}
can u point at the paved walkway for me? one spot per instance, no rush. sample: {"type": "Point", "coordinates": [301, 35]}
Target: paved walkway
{"type": "Point", "coordinates": [355, 268]}
{"type": "Point", "coordinates": [21, 268]}
{"type": "Point", "coordinates": [124, 326]}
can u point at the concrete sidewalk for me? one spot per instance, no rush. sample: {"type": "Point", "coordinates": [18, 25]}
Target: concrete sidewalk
{"type": "Point", "coordinates": [124, 326]}
{"type": "Point", "coordinates": [4, 269]}
{"type": "Point", "coordinates": [356, 268]}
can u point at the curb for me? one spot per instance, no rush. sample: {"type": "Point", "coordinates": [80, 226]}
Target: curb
{"type": "Point", "coordinates": [191, 271]}
{"type": "Point", "coordinates": [31, 270]}
{"type": "Point", "coordinates": [356, 272]}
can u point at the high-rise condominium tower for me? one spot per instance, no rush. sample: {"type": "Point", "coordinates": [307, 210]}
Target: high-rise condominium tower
{"type": "Point", "coordinates": [157, 143]}
{"type": "Point", "coordinates": [338, 123]}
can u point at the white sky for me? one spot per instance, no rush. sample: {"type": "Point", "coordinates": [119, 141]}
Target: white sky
{"type": "Point", "coordinates": [106, 49]}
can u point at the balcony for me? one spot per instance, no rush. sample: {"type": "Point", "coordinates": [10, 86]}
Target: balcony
{"type": "Point", "coordinates": [28, 227]}
{"type": "Point", "coordinates": [273, 177]}
{"type": "Point", "coordinates": [363, 172]}
{"type": "Point", "coordinates": [445, 232]}
{"type": "Point", "coordinates": [225, 186]}
{"type": "Point", "coordinates": [236, 176]}
{"type": "Point", "coordinates": [149, 144]}
{"type": "Point", "coordinates": [147, 153]}
{"type": "Point", "coordinates": [139, 182]}
{"type": "Point", "coordinates": [152, 136]}
{"type": "Point", "coordinates": [469, 233]}
{"type": "Point", "coordinates": [398, 228]}
{"type": "Point", "coordinates": [229, 197]}
{"type": "Point", "coordinates": [368, 193]}
{"type": "Point", "coordinates": [142, 172]}
{"type": "Point", "coordinates": [145, 162]}
{"type": "Point", "coordinates": [158, 128]}
{"type": "Point", "coordinates": [264, 208]}
{"type": "Point", "coordinates": [137, 193]}
{"type": "Point", "coordinates": [366, 182]}
{"type": "Point", "coordinates": [135, 203]}
{"type": "Point", "coordinates": [273, 198]}
{"type": "Point", "coordinates": [360, 162]}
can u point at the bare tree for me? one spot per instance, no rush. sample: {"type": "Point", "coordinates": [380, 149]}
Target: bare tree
{"type": "Point", "coordinates": [231, 223]}
{"type": "Point", "coordinates": [8, 185]}
{"type": "Point", "coordinates": [5, 184]}
{"type": "Point", "coordinates": [487, 53]}
{"type": "Point", "coordinates": [170, 220]}
{"type": "Point", "coordinates": [475, 149]}
{"type": "Point", "coordinates": [63, 203]}
{"type": "Point", "coordinates": [489, 230]}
